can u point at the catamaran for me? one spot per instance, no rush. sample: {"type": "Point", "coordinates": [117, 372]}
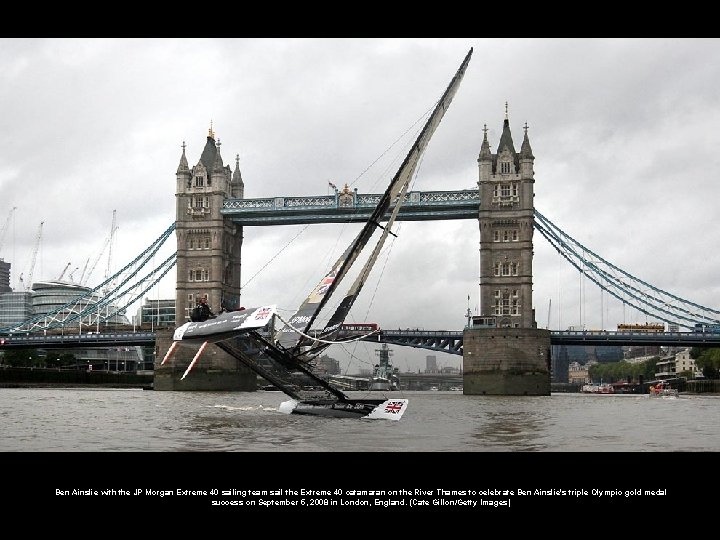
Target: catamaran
{"type": "Point", "coordinates": [282, 352]}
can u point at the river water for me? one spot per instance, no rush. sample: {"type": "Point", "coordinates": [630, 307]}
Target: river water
{"type": "Point", "coordinates": [108, 452]}
{"type": "Point", "coordinates": [111, 420]}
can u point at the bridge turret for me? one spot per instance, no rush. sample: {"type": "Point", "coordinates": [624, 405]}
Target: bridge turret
{"type": "Point", "coordinates": [526, 157]}
{"type": "Point", "coordinates": [237, 186]}
{"type": "Point", "coordinates": [221, 173]}
{"type": "Point", "coordinates": [184, 176]}
{"type": "Point", "coordinates": [485, 158]}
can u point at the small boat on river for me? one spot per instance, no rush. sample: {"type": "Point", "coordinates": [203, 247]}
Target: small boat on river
{"type": "Point", "coordinates": [663, 390]}
{"type": "Point", "coordinates": [597, 389]}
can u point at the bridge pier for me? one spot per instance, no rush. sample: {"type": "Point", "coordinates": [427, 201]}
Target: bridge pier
{"type": "Point", "coordinates": [215, 370]}
{"type": "Point", "coordinates": [506, 362]}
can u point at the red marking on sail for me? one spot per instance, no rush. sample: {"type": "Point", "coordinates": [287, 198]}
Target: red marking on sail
{"type": "Point", "coordinates": [197, 356]}
{"type": "Point", "coordinates": [169, 354]}
{"type": "Point", "coordinates": [394, 407]}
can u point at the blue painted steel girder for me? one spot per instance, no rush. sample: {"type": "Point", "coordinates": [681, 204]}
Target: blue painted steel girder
{"type": "Point", "coordinates": [451, 342]}
{"type": "Point", "coordinates": [443, 341]}
{"type": "Point", "coordinates": [345, 207]}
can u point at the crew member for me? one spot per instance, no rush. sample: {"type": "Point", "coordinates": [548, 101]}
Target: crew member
{"type": "Point", "coordinates": [201, 311]}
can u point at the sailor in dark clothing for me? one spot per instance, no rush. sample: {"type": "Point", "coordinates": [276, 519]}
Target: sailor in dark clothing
{"type": "Point", "coordinates": [201, 311]}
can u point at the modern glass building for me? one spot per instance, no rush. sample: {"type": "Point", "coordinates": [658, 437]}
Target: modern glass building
{"type": "Point", "coordinates": [156, 314]}
{"type": "Point", "coordinates": [15, 308]}
{"type": "Point", "coordinates": [4, 276]}
{"type": "Point", "coordinates": [50, 296]}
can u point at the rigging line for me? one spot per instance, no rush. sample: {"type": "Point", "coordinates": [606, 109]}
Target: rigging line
{"type": "Point", "coordinates": [353, 356]}
{"type": "Point", "coordinates": [379, 279]}
{"type": "Point", "coordinates": [390, 247]}
{"type": "Point", "coordinates": [392, 242]}
{"type": "Point", "coordinates": [416, 172]}
{"type": "Point", "coordinates": [395, 142]}
{"type": "Point", "coordinates": [274, 256]}
{"type": "Point", "coordinates": [292, 328]}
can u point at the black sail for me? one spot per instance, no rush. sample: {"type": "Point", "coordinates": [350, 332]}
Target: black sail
{"type": "Point", "coordinates": [291, 334]}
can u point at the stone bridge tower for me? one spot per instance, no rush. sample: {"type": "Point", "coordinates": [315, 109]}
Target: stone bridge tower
{"type": "Point", "coordinates": [504, 352]}
{"type": "Point", "coordinates": [208, 265]}
{"type": "Point", "coordinates": [208, 246]}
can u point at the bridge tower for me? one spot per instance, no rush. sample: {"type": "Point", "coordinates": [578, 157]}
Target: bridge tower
{"type": "Point", "coordinates": [208, 265]}
{"type": "Point", "coordinates": [208, 246]}
{"type": "Point", "coordinates": [504, 351]}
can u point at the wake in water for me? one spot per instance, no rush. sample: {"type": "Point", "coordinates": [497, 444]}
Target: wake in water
{"type": "Point", "coordinates": [244, 408]}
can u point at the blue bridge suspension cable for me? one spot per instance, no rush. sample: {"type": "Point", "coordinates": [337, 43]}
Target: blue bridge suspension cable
{"type": "Point", "coordinates": [661, 304]}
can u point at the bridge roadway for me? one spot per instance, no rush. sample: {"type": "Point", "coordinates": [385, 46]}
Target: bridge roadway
{"type": "Point", "coordinates": [447, 341]}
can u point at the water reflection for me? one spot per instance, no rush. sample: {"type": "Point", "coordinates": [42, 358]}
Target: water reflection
{"type": "Point", "coordinates": [505, 426]}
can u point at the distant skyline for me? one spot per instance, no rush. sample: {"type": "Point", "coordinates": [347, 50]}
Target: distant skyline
{"type": "Point", "coordinates": [624, 133]}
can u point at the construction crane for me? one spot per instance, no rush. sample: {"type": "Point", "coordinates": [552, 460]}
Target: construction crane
{"type": "Point", "coordinates": [84, 278]}
{"type": "Point", "coordinates": [5, 227]}
{"type": "Point", "coordinates": [63, 272]}
{"type": "Point", "coordinates": [34, 258]}
{"type": "Point", "coordinates": [113, 230]}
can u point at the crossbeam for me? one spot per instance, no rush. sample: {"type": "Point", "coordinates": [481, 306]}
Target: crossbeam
{"type": "Point", "coordinates": [350, 206]}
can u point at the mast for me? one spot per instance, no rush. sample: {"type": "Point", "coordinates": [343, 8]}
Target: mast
{"type": "Point", "coordinates": [395, 192]}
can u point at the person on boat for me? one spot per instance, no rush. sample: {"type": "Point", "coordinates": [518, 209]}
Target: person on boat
{"type": "Point", "coordinates": [201, 311]}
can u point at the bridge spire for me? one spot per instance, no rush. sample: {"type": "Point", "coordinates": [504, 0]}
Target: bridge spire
{"type": "Point", "coordinates": [525, 150]}
{"type": "Point", "coordinates": [485, 153]}
{"type": "Point", "coordinates": [183, 166]}
{"type": "Point", "coordinates": [218, 165]}
{"type": "Point", "coordinates": [506, 137]}
{"type": "Point", "coordinates": [237, 186]}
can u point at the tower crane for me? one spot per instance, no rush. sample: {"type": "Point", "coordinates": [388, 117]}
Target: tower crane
{"type": "Point", "coordinates": [63, 272]}
{"type": "Point", "coordinates": [84, 278]}
{"type": "Point", "coordinates": [113, 230]}
{"type": "Point", "coordinates": [34, 258]}
{"type": "Point", "coordinates": [4, 229]}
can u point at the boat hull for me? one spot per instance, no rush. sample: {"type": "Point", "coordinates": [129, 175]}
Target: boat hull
{"type": "Point", "coordinates": [390, 409]}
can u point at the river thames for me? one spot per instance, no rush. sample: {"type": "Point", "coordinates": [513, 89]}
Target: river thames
{"type": "Point", "coordinates": [84, 452]}
{"type": "Point", "coordinates": [111, 420]}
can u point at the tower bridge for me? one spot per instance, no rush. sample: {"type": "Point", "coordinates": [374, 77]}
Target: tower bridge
{"type": "Point", "coordinates": [510, 356]}
{"type": "Point", "coordinates": [212, 213]}
{"type": "Point", "coordinates": [505, 353]}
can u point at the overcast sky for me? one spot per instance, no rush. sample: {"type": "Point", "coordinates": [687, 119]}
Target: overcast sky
{"type": "Point", "coordinates": [625, 133]}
